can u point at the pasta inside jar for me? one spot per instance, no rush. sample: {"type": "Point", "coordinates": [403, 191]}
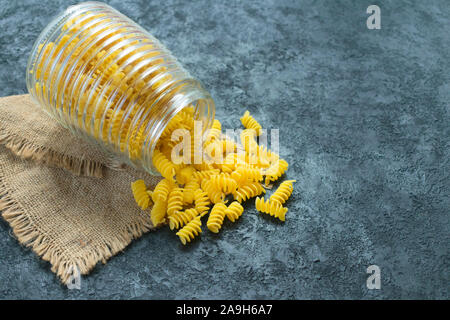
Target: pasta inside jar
{"type": "Point", "coordinates": [110, 81]}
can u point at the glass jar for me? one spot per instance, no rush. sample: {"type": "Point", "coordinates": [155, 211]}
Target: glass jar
{"type": "Point", "coordinates": [108, 80]}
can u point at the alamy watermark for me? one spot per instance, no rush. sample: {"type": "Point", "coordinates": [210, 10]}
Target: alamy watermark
{"type": "Point", "coordinates": [374, 20]}
{"type": "Point", "coordinates": [374, 280]}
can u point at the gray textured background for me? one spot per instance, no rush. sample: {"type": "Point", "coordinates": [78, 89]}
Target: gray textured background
{"type": "Point", "coordinates": [364, 119]}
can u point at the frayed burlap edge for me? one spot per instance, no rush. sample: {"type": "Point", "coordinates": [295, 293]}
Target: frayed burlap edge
{"type": "Point", "coordinates": [65, 268]}
{"type": "Point", "coordinates": [26, 150]}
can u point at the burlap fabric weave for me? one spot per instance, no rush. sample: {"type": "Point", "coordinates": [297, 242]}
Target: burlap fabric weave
{"type": "Point", "coordinates": [62, 196]}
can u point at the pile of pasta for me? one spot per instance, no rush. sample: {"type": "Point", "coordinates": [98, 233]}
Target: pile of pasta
{"type": "Point", "coordinates": [105, 77]}
{"type": "Point", "coordinates": [188, 192]}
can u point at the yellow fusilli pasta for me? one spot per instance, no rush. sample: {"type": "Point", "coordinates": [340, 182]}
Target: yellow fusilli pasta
{"type": "Point", "coordinates": [215, 219]}
{"type": "Point", "coordinates": [140, 194]}
{"type": "Point", "coordinates": [163, 165]}
{"type": "Point", "coordinates": [175, 201]}
{"type": "Point", "coordinates": [190, 231]}
{"type": "Point", "coordinates": [162, 190]}
{"type": "Point", "coordinates": [234, 211]}
{"type": "Point", "coordinates": [189, 191]}
{"type": "Point", "coordinates": [214, 194]}
{"type": "Point", "coordinates": [158, 212]}
{"type": "Point", "coordinates": [201, 201]}
{"type": "Point", "coordinates": [224, 183]}
{"type": "Point", "coordinates": [245, 173]}
{"type": "Point", "coordinates": [283, 192]}
{"type": "Point", "coordinates": [250, 123]}
{"type": "Point", "coordinates": [249, 190]}
{"type": "Point", "coordinates": [181, 218]}
{"type": "Point", "coordinates": [275, 171]}
{"type": "Point", "coordinates": [273, 208]}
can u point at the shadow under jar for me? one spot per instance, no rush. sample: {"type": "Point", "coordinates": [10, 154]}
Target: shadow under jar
{"type": "Point", "coordinates": [108, 80]}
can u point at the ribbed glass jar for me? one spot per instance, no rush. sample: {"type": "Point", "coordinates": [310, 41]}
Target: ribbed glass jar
{"type": "Point", "coordinates": [107, 79]}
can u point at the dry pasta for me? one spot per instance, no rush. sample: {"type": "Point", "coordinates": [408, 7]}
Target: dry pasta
{"type": "Point", "coordinates": [283, 192]}
{"type": "Point", "coordinates": [186, 193]}
{"type": "Point", "coordinates": [140, 194]}
{"type": "Point", "coordinates": [234, 211]}
{"type": "Point", "coordinates": [190, 231]}
{"type": "Point", "coordinates": [273, 208]}
{"type": "Point", "coordinates": [216, 217]}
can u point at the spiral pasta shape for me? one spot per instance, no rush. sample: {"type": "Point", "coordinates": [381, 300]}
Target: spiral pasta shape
{"type": "Point", "coordinates": [158, 212]}
{"type": "Point", "coordinates": [249, 190]}
{"type": "Point", "coordinates": [190, 231]}
{"type": "Point", "coordinates": [283, 192]}
{"type": "Point", "coordinates": [163, 165]}
{"type": "Point", "coordinates": [173, 124]}
{"type": "Point", "coordinates": [162, 190]}
{"type": "Point", "coordinates": [273, 208]}
{"type": "Point", "coordinates": [175, 201]}
{"type": "Point", "coordinates": [189, 191]}
{"type": "Point", "coordinates": [275, 171]}
{"type": "Point", "coordinates": [234, 211]}
{"type": "Point", "coordinates": [245, 173]}
{"type": "Point", "coordinates": [181, 218]}
{"type": "Point", "coordinates": [215, 219]}
{"type": "Point", "coordinates": [201, 201]}
{"type": "Point", "coordinates": [214, 194]}
{"type": "Point", "coordinates": [250, 123]}
{"type": "Point", "coordinates": [187, 117]}
{"type": "Point", "coordinates": [224, 183]}
{"type": "Point", "coordinates": [140, 194]}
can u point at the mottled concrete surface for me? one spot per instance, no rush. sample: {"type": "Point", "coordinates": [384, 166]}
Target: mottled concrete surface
{"type": "Point", "coordinates": [364, 122]}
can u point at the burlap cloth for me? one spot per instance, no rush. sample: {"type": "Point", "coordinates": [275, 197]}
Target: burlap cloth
{"type": "Point", "coordinates": [62, 196]}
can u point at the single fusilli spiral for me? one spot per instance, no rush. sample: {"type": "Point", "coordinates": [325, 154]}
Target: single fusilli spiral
{"type": "Point", "coordinates": [181, 218]}
{"type": "Point", "coordinates": [215, 219]}
{"type": "Point", "coordinates": [249, 190]}
{"type": "Point", "coordinates": [283, 192]}
{"type": "Point", "coordinates": [224, 182]}
{"type": "Point", "coordinates": [214, 194]}
{"type": "Point", "coordinates": [162, 190]}
{"type": "Point", "coordinates": [158, 212]}
{"type": "Point", "coordinates": [275, 171]}
{"type": "Point", "coordinates": [175, 201]}
{"type": "Point", "coordinates": [201, 201]}
{"type": "Point", "coordinates": [273, 208]}
{"type": "Point", "coordinates": [190, 231]}
{"type": "Point", "coordinates": [250, 123]}
{"type": "Point", "coordinates": [163, 165]}
{"type": "Point", "coordinates": [234, 211]}
{"type": "Point", "coordinates": [140, 194]}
